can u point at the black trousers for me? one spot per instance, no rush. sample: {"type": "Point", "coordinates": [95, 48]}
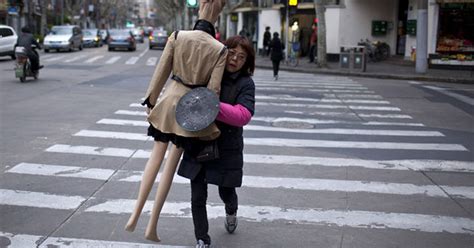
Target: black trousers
{"type": "Point", "coordinates": [198, 205]}
{"type": "Point", "coordinates": [34, 60]}
{"type": "Point", "coordinates": [276, 66]}
{"type": "Point", "coordinates": [312, 53]}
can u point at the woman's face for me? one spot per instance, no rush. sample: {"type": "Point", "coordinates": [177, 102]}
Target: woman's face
{"type": "Point", "coordinates": [235, 59]}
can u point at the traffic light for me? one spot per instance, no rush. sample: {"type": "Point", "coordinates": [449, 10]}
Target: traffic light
{"type": "Point", "coordinates": [192, 3]}
{"type": "Point", "coordinates": [292, 3]}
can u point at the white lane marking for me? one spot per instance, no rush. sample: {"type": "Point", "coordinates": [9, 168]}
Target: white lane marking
{"type": "Point", "coordinates": [351, 218]}
{"type": "Point", "coordinates": [328, 106]}
{"type": "Point", "coordinates": [54, 58]}
{"type": "Point", "coordinates": [128, 112]}
{"type": "Point", "coordinates": [113, 60]}
{"type": "Point", "coordinates": [294, 86]}
{"type": "Point", "coordinates": [258, 181]}
{"type": "Point", "coordinates": [459, 97]}
{"type": "Point", "coordinates": [132, 60]}
{"type": "Point", "coordinates": [259, 88]}
{"type": "Point", "coordinates": [93, 59]}
{"type": "Point", "coordinates": [91, 150]}
{"type": "Point", "coordinates": [353, 144]}
{"type": "Point", "coordinates": [26, 240]}
{"type": "Point", "coordinates": [319, 121]}
{"type": "Point", "coordinates": [388, 116]}
{"type": "Point", "coordinates": [46, 56]}
{"type": "Point", "coordinates": [121, 122]}
{"type": "Point", "coordinates": [75, 58]}
{"type": "Point", "coordinates": [295, 142]}
{"type": "Point", "coordinates": [151, 61]}
{"type": "Point", "coordinates": [413, 164]}
{"type": "Point", "coordinates": [39, 200]}
{"type": "Point", "coordinates": [61, 171]}
{"type": "Point", "coordinates": [144, 52]}
{"type": "Point", "coordinates": [347, 131]}
{"type": "Point", "coordinates": [324, 100]}
{"type": "Point", "coordinates": [353, 96]}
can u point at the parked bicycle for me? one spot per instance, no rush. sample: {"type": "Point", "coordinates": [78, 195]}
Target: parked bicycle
{"type": "Point", "coordinates": [376, 50]}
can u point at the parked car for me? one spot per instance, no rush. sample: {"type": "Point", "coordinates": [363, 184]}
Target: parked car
{"type": "Point", "coordinates": [158, 39]}
{"type": "Point", "coordinates": [121, 38]}
{"type": "Point", "coordinates": [66, 37]}
{"type": "Point", "coordinates": [91, 38]}
{"type": "Point", "coordinates": [138, 34]}
{"type": "Point", "coordinates": [104, 35]}
{"type": "Point", "coordinates": [8, 39]}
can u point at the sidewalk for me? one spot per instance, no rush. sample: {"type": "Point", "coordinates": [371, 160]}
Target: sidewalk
{"type": "Point", "coordinates": [393, 68]}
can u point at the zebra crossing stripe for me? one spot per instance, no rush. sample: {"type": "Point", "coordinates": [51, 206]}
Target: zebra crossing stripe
{"type": "Point", "coordinates": [328, 106]}
{"type": "Point", "coordinates": [316, 85]}
{"type": "Point", "coordinates": [128, 112]}
{"type": "Point", "coordinates": [311, 184]}
{"type": "Point", "coordinates": [352, 96]}
{"type": "Point", "coordinates": [151, 61]}
{"type": "Point", "coordinates": [318, 121]}
{"type": "Point", "coordinates": [113, 60]}
{"type": "Point", "coordinates": [26, 240]}
{"type": "Point", "coordinates": [347, 218]}
{"type": "Point", "coordinates": [316, 90]}
{"type": "Point", "coordinates": [55, 58]}
{"type": "Point", "coordinates": [344, 131]}
{"type": "Point", "coordinates": [91, 60]}
{"type": "Point", "coordinates": [386, 116]}
{"type": "Point", "coordinates": [132, 60]}
{"type": "Point", "coordinates": [307, 83]}
{"type": "Point", "coordinates": [39, 199]}
{"type": "Point", "coordinates": [75, 58]}
{"type": "Point", "coordinates": [352, 144]}
{"type": "Point", "coordinates": [413, 164]}
{"type": "Point", "coordinates": [323, 100]}
{"type": "Point", "coordinates": [460, 97]}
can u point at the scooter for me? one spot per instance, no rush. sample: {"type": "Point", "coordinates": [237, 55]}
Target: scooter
{"type": "Point", "coordinates": [23, 65]}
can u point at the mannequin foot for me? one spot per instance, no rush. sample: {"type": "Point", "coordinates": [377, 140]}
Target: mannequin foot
{"type": "Point", "coordinates": [152, 236]}
{"type": "Point", "coordinates": [130, 227]}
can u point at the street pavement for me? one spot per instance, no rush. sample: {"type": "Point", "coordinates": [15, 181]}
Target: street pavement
{"type": "Point", "coordinates": [330, 160]}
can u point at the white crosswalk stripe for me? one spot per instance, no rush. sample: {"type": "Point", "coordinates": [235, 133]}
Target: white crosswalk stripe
{"type": "Point", "coordinates": [91, 60]}
{"type": "Point", "coordinates": [349, 117]}
{"type": "Point", "coordinates": [113, 60]}
{"type": "Point", "coordinates": [151, 61]}
{"type": "Point", "coordinates": [132, 60]}
{"type": "Point", "coordinates": [75, 58]}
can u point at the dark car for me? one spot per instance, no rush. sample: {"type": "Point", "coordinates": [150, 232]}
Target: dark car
{"type": "Point", "coordinates": [158, 39]}
{"type": "Point", "coordinates": [91, 38]}
{"type": "Point", "coordinates": [121, 38]}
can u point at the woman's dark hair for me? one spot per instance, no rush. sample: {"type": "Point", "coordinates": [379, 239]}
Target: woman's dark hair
{"type": "Point", "coordinates": [275, 35]}
{"type": "Point", "coordinates": [233, 42]}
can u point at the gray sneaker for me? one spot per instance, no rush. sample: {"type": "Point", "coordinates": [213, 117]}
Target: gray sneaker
{"type": "Point", "coordinates": [201, 244]}
{"type": "Point", "coordinates": [230, 222]}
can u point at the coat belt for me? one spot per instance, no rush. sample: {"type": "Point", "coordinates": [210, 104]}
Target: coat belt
{"type": "Point", "coordinates": [179, 80]}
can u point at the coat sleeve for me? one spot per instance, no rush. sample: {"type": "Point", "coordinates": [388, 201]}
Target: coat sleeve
{"type": "Point", "coordinates": [161, 74]}
{"type": "Point", "coordinates": [217, 72]}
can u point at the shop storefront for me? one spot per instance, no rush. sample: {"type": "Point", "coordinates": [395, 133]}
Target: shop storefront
{"type": "Point", "coordinates": [455, 36]}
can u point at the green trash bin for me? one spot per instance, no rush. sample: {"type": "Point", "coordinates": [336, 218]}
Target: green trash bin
{"type": "Point", "coordinates": [353, 58]}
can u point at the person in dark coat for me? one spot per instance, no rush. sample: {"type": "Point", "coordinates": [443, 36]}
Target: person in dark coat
{"type": "Point", "coordinates": [237, 104]}
{"type": "Point", "coordinates": [266, 41]}
{"type": "Point", "coordinates": [27, 40]}
{"type": "Point", "coordinates": [276, 54]}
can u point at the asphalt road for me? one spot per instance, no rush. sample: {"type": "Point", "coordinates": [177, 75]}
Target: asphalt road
{"type": "Point", "coordinates": [329, 161]}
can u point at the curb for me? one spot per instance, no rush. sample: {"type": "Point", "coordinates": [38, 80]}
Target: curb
{"type": "Point", "coordinates": [374, 75]}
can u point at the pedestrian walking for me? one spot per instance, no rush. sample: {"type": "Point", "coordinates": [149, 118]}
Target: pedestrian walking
{"type": "Point", "coordinates": [237, 104]}
{"type": "Point", "coordinates": [276, 54]}
{"type": "Point", "coordinates": [267, 36]}
{"type": "Point", "coordinates": [313, 42]}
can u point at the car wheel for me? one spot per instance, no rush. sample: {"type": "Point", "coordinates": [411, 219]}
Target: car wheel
{"type": "Point", "coordinates": [13, 56]}
{"type": "Point", "coordinates": [110, 49]}
{"type": "Point", "coordinates": [46, 50]}
{"type": "Point", "coordinates": [151, 47]}
{"type": "Point", "coordinates": [80, 47]}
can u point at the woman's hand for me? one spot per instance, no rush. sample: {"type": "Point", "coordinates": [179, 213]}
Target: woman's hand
{"type": "Point", "coordinates": [148, 110]}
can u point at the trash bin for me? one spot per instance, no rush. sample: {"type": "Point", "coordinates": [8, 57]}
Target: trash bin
{"type": "Point", "coordinates": [353, 58]}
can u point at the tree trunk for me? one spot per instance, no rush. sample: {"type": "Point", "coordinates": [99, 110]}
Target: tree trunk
{"type": "Point", "coordinates": [320, 6]}
{"type": "Point", "coordinates": [44, 16]}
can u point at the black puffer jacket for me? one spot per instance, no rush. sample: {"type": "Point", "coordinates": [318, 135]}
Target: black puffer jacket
{"type": "Point", "coordinates": [227, 169]}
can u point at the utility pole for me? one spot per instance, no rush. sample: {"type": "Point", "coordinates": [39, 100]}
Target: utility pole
{"type": "Point", "coordinates": [422, 37]}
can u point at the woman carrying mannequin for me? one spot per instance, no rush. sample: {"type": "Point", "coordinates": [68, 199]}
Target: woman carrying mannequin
{"type": "Point", "coordinates": [185, 53]}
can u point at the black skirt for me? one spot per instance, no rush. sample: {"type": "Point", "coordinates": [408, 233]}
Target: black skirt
{"type": "Point", "coordinates": [186, 143]}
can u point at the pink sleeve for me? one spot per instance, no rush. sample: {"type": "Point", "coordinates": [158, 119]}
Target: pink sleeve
{"type": "Point", "coordinates": [234, 115]}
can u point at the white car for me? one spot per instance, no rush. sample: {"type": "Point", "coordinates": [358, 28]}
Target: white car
{"type": "Point", "coordinates": [66, 37]}
{"type": "Point", "coordinates": [8, 39]}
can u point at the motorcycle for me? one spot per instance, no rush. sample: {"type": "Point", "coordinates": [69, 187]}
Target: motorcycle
{"type": "Point", "coordinates": [23, 64]}
{"type": "Point", "coordinates": [375, 50]}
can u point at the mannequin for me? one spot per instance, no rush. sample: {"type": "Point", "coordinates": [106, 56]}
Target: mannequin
{"type": "Point", "coordinates": [189, 69]}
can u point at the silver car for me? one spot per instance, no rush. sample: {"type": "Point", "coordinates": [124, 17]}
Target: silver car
{"type": "Point", "coordinates": [67, 37]}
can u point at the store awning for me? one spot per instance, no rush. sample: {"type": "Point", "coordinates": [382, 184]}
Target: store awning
{"type": "Point", "coordinates": [455, 1]}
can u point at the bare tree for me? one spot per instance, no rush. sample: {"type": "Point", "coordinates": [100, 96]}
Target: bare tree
{"type": "Point", "coordinates": [320, 7]}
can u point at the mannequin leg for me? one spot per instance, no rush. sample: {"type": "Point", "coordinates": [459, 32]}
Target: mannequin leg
{"type": "Point", "coordinates": [149, 175]}
{"type": "Point", "coordinates": [163, 188]}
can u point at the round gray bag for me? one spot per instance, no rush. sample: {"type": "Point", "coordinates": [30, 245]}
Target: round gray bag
{"type": "Point", "coordinates": [197, 109]}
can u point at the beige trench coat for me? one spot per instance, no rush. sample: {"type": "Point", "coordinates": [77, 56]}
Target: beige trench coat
{"type": "Point", "coordinates": [198, 59]}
